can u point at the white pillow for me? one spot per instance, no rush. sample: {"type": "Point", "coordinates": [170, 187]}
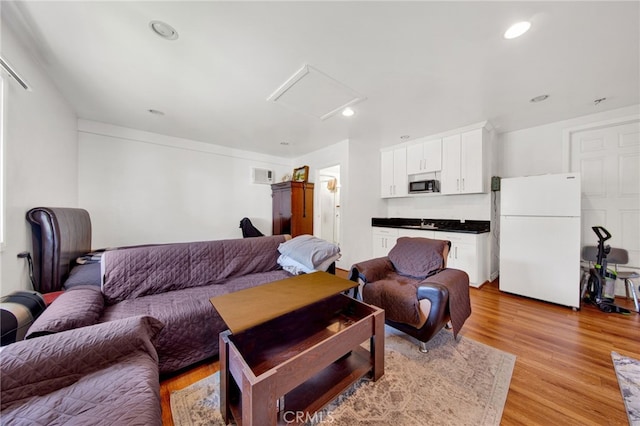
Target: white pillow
{"type": "Point", "coordinates": [309, 250]}
{"type": "Point", "coordinates": [296, 268]}
{"type": "Point", "coordinates": [292, 267]}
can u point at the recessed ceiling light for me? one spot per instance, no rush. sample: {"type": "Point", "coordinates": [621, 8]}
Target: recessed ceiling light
{"type": "Point", "coordinates": [404, 137]}
{"type": "Point", "coordinates": [516, 30]}
{"type": "Point", "coordinates": [163, 29]}
{"type": "Point", "coordinates": [348, 112]}
{"type": "Point", "coordinates": [539, 98]}
{"type": "Point", "coordinates": [155, 112]}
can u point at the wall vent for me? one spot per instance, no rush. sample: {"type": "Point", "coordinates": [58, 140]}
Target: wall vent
{"type": "Point", "coordinates": [262, 176]}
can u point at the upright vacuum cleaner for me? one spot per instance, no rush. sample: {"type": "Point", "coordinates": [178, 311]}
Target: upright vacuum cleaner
{"type": "Point", "coordinates": [600, 290]}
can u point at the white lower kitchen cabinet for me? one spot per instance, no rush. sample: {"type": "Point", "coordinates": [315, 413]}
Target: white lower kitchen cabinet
{"type": "Point", "coordinates": [416, 233]}
{"type": "Point", "coordinates": [383, 240]}
{"type": "Point", "coordinates": [470, 253]}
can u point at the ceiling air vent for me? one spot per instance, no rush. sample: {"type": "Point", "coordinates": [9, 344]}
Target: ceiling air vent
{"type": "Point", "coordinates": [262, 176]}
{"type": "Point", "coordinates": [314, 93]}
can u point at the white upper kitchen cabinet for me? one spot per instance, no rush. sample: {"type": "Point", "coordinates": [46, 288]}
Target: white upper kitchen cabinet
{"type": "Point", "coordinates": [424, 156]}
{"type": "Point", "coordinates": [393, 173]}
{"type": "Point", "coordinates": [450, 177]}
{"type": "Point", "coordinates": [464, 158]}
{"type": "Point", "coordinates": [473, 170]}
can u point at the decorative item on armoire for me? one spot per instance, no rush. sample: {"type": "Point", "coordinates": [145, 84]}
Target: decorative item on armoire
{"type": "Point", "coordinates": [301, 174]}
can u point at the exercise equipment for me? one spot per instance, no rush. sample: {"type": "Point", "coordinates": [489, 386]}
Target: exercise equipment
{"type": "Point", "coordinates": [599, 288]}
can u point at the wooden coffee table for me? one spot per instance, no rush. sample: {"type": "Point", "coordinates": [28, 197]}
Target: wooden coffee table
{"type": "Point", "coordinates": [293, 346]}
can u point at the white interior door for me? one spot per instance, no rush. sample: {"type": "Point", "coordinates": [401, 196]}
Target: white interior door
{"type": "Point", "coordinates": [608, 159]}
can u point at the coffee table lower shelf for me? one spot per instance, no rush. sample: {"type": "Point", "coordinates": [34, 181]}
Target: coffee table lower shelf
{"type": "Point", "coordinates": [302, 403]}
{"type": "Point", "coordinates": [286, 380]}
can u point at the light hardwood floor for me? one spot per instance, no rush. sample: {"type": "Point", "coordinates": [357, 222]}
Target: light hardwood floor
{"type": "Point", "coordinates": [563, 373]}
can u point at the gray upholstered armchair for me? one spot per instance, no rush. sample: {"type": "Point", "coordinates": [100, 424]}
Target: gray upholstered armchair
{"type": "Point", "coordinates": [419, 294]}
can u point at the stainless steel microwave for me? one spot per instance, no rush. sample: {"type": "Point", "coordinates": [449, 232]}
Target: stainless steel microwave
{"type": "Point", "coordinates": [424, 186]}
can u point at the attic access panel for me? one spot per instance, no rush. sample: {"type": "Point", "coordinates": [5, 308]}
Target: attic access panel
{"type": "Point", "coordinates": [314, 93]}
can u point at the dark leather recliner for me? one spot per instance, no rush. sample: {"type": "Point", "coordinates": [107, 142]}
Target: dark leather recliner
{"type": "Point", "coordinates": [414, 287]}
{"type": "Point", "coordinates": [59, 236]}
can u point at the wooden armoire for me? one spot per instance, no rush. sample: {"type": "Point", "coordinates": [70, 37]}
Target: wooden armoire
{"type": "Point", "coordinates": [292, 208]}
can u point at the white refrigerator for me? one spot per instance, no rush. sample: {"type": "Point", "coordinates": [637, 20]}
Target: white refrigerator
{"type": "Point", "coordinates": [540, 237]}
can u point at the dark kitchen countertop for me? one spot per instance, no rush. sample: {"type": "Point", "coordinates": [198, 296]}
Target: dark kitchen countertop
{"type": "Point", "coordinates": [442, 225]}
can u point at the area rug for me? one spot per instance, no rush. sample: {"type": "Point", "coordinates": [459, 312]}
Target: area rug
{"type": "Point", "coordinates": [459, 382]}
{"type": "Point", "coordinates": [628, 372]}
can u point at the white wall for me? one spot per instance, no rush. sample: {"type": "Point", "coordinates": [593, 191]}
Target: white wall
{"type": "Point", "coordinates": [539, 150]}
{"type": "Point", "coordinates": [363, 202]}
{"type": "Point", "coordinates": [468, 207]}
{"type": "Point", "coordinates": [360, 193]}
{"type": "Point", "coordinates": [41, 164]}
{"type": "Point", "coordinates": [141, 187]}
{"type": "Point", "coordinates": [332, 155]}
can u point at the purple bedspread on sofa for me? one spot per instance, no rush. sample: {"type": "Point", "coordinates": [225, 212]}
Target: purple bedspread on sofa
{"type": "Point", "coordinates": [174, 283]}
{"type": "Point", "coordinates": [104, 374]}
{"type": "Point", "coordinates": [141, 271]}
{"type": "Point", "coordinates": [192, 324]}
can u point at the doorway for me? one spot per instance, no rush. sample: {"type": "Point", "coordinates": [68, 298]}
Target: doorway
{"type": "Point", "coordinates": [328, 190]}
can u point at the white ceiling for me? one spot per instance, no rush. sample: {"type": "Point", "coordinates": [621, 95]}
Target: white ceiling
{"type": "Point", "coordinates": [424, 67]}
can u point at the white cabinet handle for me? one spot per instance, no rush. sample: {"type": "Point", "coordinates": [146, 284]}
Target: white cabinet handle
{"type": "Point", "coordinates": [457, 184]}
{"type": "Point", "coordinates": [463, 184]}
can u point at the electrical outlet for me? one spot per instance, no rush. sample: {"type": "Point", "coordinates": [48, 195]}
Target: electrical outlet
{"type": "Point", "coordinates": [495, 183]}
